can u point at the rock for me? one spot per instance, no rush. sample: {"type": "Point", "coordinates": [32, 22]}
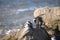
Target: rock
{"type": "Point", "coordinates": [27, 33]}
{"type": "Point", "coordinates": [50, 17]}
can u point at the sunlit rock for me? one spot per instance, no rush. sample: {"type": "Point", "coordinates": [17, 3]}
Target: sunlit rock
{"type": "Point", "coordinates": [50, 17]}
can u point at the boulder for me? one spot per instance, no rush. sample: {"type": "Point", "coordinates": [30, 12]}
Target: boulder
{"type": "Point", "coordinates": [50, 17]}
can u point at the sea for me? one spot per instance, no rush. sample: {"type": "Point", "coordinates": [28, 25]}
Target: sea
{"type": "Point", "coordinates": [14, 13]}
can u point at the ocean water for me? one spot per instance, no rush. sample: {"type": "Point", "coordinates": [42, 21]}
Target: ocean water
{"type": "Point", "coordinates": [14, 13]}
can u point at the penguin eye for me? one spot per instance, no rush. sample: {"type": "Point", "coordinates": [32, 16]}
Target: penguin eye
{"type": "Point", "coordinates": [34, 20]}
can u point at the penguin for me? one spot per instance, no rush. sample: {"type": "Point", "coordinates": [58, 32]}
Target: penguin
{"type": "Point", "coordinates": [28, 25]}
{"type": "Point", "coordinates": [53, 38]}
{"type": "Point", "coordinates": [38, 22]}
{"type": "Point", "coordinates": [28, 30]}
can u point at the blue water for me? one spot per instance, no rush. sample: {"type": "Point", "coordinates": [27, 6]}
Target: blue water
{"type": "Point", "coordinates": [14, 13]}
{"type": "Point", "coordinates": [28, 3]}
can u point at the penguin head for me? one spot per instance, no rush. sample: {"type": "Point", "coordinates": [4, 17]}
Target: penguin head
{"type": "Point", "coordinates": [28, 24]}
{"type": "Point", "coordinates": [38, 20]}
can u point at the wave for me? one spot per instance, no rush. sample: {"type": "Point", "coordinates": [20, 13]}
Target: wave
{"type": "Point", "coordinates": [26, 9]}
{"type": "Point", "coordinates": [11, 31]}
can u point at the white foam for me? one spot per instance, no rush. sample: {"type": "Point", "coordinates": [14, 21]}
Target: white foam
{"type": "Point", "coordinates": [18, 29]}
{"type": "Point", "coordinates": [26, 9]}
{"type": "Point", "coordinates": [8, 31]}
{"type": "Point", "coordinates": [11, 31]}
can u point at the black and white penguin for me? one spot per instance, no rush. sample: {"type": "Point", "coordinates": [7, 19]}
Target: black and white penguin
{"type": "Point", "coordinates": [38, 22]}
{"type": "Point", "coordinates": [53, 38]}
{"type": "Point", "coordinates": [28, 25]}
